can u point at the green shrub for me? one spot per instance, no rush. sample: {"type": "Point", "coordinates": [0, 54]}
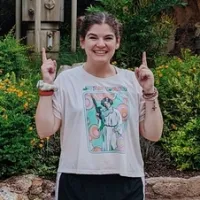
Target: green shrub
{"type": "Point", "coordinates": [48, 152]}
{"type": "Point", "coordinates": [184, 145]}
{"type": "Point", "coordinates": [17, 129]}
{"type": "Point", "coordinates": [13, 56]}
{"type": "Point", "coordinates": [146, 27]}
{"type": "Point", "coordinates": [66, 56]}
{"type": "Point", "coordinates": [21, 151]}
{"type": "Point", "coordinates": [178, 83]}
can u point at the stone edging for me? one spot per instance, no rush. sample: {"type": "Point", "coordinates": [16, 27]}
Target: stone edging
{"type": "Point", "coordinates": [30, 187]}
{"type": "Point", "coordinates": [164, 188]}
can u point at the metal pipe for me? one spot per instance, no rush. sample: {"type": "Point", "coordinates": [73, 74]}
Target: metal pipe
{"type": "Point", "coordinates": [18, 19]}
{"type": "Point", "coordinates": [37, 25]}
{"type": "Point", "coordinates": [73, 25]}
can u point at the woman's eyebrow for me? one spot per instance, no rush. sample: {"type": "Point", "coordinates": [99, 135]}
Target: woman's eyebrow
{"type": "Point", "coordinates": [93, 34]}
{"type": "Point", "coordinates": [109, 35]}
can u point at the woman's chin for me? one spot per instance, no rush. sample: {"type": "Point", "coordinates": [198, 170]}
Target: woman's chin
{"type": "Point", "coordinates": [101, 59]}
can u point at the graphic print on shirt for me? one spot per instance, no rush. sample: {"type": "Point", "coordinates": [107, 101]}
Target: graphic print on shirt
{"type": "Point", "coordinates": [106, 111]}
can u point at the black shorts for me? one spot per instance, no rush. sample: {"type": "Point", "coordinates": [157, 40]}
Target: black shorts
{"type": "Point", "coordinates": [99, 187]}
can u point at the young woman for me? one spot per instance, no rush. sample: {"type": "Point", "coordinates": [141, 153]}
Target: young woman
{"type": "Point", "coordinates": [101, 111]}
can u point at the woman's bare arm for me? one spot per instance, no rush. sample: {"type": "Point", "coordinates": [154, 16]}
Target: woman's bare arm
{"type": "Point", "coordinates": [46, 123]}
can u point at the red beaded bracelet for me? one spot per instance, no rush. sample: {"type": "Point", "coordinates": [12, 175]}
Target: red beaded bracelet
{"type": "Point", "coordinates": [45, 92]}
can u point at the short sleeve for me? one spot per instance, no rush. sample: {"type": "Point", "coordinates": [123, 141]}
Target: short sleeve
{"type": "Point", "coordinates": [140, 97]}
{"type": "Point", "coordinates": [57, 98]}
{"type": "Point", "coordinates": [142, 108]}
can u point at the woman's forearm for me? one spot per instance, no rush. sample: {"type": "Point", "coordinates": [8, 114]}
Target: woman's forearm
{"type": "Point", "coordinates": [153, 123]}
{"type": "Point", "coordinates": [46, 123]}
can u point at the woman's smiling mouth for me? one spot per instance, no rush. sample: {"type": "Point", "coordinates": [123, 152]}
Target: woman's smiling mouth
{"type": "Point", "coordinates": [100, 52]}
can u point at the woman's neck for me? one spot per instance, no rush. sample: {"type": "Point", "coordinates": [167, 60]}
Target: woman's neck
{"type": "Point", "coordinates": [102, 70]}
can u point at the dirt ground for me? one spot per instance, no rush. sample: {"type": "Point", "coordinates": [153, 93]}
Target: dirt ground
{"type": "Point", "coordinates": [157, 169]}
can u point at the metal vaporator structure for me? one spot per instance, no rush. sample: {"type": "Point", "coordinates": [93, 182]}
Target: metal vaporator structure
{"type": "Point", "coordinates": [43, 18]}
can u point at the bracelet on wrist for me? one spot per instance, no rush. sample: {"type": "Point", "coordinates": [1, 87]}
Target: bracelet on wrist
{"type": "Point", "coordinates": [151, 97]}
{"type": "Point", "coordinates": [41, 85]}
{"type": "Point", "coordinates": [46, 93]}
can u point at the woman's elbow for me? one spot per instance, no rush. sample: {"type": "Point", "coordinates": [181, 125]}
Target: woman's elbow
{"type": "Point", "coordinates": [47, 128]}
{"type": "Point", "coordinates": [43, 134]}
{"type": "Point", "coordinates": [153, 136]}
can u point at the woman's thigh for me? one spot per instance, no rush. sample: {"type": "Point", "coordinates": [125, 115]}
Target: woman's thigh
{"type": "Point", "coordinates": [99, 187]}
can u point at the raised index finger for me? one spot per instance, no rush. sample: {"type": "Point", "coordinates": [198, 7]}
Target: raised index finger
{"type": "Point", "coordinates": [144, 58]}
{"type": "Point", "coordinates": [44, 56]}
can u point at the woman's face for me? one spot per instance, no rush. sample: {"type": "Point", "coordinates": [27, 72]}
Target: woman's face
{"type": "Point", "coordinates": [100, 43]}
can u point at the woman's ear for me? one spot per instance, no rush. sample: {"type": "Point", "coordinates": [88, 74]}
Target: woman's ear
{"type": "Point", "coordinates": [82, 42]}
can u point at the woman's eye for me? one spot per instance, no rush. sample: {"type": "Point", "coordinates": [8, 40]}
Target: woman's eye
{"type": "Point", "coordinates": [109, 38]}
{"type": "Point", "coordinates": [92, 38]}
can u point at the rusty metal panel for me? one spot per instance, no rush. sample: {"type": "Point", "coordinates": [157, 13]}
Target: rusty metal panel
{"type": "Point", "coordinates": [49, 39]}
{"type": "Point", "coordinates": [51, 10]}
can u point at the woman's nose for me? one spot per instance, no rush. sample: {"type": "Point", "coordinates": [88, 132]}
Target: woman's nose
{"type": "Point", "coordinates": [100, 42]}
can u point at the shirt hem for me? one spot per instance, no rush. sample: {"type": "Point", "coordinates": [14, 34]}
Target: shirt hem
{"type": "Point", "coordinates": [97, 172]}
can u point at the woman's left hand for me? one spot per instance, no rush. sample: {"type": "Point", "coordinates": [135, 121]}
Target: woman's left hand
{"type": "Point", "coordinates": [145, 76]}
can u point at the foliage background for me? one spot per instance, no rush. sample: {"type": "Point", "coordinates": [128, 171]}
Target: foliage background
{"type": "Point", "coordinates": [21, 151]}
{"type": "Point", "coordinates": [177, 79]}
{"type": "Point", "coordinates": [146, 23]}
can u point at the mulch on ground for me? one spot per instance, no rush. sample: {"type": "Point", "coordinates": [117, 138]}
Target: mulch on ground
{"type": "Point", "coordinates": [158, 169]}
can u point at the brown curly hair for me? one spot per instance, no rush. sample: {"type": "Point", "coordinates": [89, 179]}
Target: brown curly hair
{"type": "Point", "coordinates": [84, 23]}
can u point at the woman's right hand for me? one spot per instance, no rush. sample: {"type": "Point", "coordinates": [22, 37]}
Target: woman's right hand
{"type": "Point", "coordinates": [48, 68]}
